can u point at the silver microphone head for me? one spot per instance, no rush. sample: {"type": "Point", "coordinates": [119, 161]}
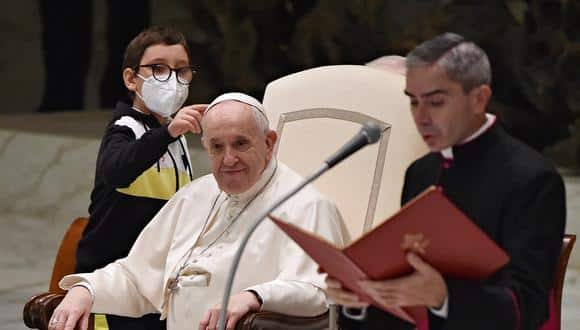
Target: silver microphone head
{"type": "Point", "coordinates": [371, 131]}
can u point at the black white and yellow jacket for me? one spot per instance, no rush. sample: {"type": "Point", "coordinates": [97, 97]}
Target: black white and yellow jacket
{"type": "Point", "coordinates": [139, 167]}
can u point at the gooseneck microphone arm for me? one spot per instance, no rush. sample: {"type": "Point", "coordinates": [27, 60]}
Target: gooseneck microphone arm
{"type": "Point", "coordinates": [262, 216]}
{"type": "Point", "coordinates": [368, 134]}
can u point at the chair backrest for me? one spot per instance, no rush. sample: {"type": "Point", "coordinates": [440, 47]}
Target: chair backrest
{"type": "Point", "coordinates": [65, 261]}
{"type": "Point", "coordinates": [555, 320]}
{"type": "Point", "coordinates": [317, 110]}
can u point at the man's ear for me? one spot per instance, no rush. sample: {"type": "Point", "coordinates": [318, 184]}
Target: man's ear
{"type": "Point", "coordinates": [129, 78]}
{"type": "Point", "coordinates": [271, 138]}
{"type": "Point", "coordinates": [203, 143]}
{"type": "Point", "coordinates": [479, 98]}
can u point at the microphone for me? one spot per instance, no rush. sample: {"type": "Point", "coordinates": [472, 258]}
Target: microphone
{"type": "Point", "coordinates": [368, 134]}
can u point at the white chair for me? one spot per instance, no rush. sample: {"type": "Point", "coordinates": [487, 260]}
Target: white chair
{"type": "Point", "coordinates": [316, 111]}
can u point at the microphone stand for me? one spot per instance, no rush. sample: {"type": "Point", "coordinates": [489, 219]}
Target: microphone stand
{"type": "Point", "coordinates": [246, 238]}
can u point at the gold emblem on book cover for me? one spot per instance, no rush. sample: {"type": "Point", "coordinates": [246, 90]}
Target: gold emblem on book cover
{"type": "Point", "coordinates": [416, 243]}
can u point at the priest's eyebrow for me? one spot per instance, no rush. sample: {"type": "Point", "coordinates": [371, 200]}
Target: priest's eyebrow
{"type": "Point", "coordinates": [431, 93]}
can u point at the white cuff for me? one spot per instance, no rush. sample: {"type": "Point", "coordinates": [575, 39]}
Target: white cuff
{"type": "Point", "coordinates": [87, 286]}
{"type": "Point", "coordinates": [442, 311]}
{"type": "Point", "coordinates": [256, 289]}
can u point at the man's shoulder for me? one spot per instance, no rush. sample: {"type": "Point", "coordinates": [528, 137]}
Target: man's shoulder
{"type": "Point", "coordinates": [424, 163]}
{"type": "Point", "coordinates": [203, 185]}
{"type": "Point", "coordinates": [306, 200]}
{"type": "Point", "coordinates": [526, 161]}
{"type": "Point", "coordinates": [428, 158]}
{"type": "Point", "coordinates": [290, 177]}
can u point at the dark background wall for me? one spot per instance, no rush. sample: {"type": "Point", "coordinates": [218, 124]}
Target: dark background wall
{"type": "Point", "coordinates": [21, 58]}
{"type": "Point", "coordinates": [534, 48]}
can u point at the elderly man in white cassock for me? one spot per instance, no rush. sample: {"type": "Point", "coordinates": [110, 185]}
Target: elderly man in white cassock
{"type": "Point", "coordinates": [179, 264]}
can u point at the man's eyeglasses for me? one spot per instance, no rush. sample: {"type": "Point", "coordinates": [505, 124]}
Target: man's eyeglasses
{"type": "Point", "coordinates": [162, 72]}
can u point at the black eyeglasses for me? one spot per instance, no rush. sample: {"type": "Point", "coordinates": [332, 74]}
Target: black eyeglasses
{"type": "Point", "coordinates": [162, 72]}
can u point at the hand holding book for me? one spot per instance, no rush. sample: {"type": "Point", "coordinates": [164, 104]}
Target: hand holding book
{"type": "Point", "coordinates": [423, 287]}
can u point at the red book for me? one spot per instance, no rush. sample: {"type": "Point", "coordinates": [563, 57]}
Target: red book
{"type": "Point", "coordinates": [429, 225]}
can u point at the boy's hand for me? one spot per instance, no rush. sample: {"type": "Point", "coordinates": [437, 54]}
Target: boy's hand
{"type": "Point", "coordinates": [187, 119]}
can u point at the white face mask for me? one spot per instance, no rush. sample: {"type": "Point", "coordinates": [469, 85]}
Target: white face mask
{"type": "Point", "coordinates": [163, 97]}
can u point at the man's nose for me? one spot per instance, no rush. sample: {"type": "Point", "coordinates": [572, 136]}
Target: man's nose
{"type": "Point", "coordinates": [230, 157]}
{"type": "Point", "coordinates": [422, 115]}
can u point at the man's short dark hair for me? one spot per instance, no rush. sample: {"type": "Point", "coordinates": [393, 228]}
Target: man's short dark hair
{"type": "Point", "coordinates": [462, 60]}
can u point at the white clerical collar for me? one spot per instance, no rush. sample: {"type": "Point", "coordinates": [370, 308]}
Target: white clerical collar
{"type": "Point", "coordinates": [447, 153]}
{"type": "Point", "coordinates": [264, 179]}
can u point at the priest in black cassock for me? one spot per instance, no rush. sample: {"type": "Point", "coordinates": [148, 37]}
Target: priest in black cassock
{"type": "Point", "coordinates": [509, 190]}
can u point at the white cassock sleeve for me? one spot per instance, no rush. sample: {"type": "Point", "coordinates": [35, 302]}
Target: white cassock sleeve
{"type": "Point", "coordinates": [134, 285]}
{"type": "Point", "coordinates": [297, 290]}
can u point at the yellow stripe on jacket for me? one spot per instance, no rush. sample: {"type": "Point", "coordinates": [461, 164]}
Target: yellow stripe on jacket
{"type": "Point", "coordinates": [101, 322]}
{"type": "Point", "coordinates": [154, 184]}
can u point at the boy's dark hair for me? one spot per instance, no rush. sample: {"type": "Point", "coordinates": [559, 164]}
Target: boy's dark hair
{"type": "Point", "coordinates": [154, 35]}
